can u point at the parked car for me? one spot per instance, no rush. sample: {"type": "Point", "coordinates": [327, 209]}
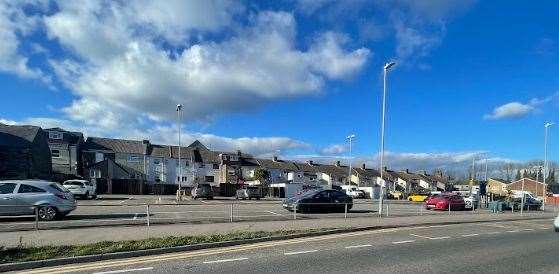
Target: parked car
{"type": "Point", "coordinates": [319, 201]}
{"type": "Point", "coordinates": [418, 197]}
{"type": "Point", "coordinates": [556, 224]}
{"type": "Point", "coordinates": [355, 193]}
{"type": "Point", "coordinates": [82, 188]}
{"type": "Point", "coordinates": [202, 191]}
{"type": "Point", "coordinates": [443, 202]}
{"type": "Point", "coordinates": [395, 195]}
{"type": "Point", "coordinates": [249, 192]}
{"type": "Point", "coordinates": [23, 197]}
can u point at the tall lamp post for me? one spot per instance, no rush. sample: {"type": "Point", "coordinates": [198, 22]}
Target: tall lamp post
{"type": "Point", "coordinates": [179, 116]}
{"type": "Point", "coordinates": [545, 168]}
{"type": "Point", "coordinates": [386, 68]}
{"type": "Point", "coordinates": [350, 138]}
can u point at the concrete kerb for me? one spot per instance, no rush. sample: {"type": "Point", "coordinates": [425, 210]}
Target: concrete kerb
{"type": "Point", "coordinates": [158, 251]}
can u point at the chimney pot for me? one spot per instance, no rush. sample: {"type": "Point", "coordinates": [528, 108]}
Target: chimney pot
{"type": "Point", "coordinates": [338, 163]}
{"type": "Point", "coordinates": [239, 153]}
{"type": "Point", "coordinates": [363, 166]}
{"type": "Point", "coordinates": [275, 158]}
{"type": "Point", "coordinates": [310, 162]}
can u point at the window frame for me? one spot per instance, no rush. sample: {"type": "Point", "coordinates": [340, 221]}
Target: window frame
{"type": "Point", "coordinates": [13, 190]}
{"type": "Point", "coordinates": [56, 135]}
{"type": "Point", "coordinates": [19, 190]}
{"type": "Point", "coordinates": [52, 154]}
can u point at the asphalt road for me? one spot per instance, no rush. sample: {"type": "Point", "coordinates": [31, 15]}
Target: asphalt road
{"type": "Point", "coordinates": [130, 210]}
{"type": "Point", "coordinates": [500, 247]}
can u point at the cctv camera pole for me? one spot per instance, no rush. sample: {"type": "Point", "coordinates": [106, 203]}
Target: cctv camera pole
{"type": "Point", "coordinates": [545, 168]}
{"type": "Point", "coordinates": [179, 112]}
{"type": "Point", "coordinates": [387, 66]}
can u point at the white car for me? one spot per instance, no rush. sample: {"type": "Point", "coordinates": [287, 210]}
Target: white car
{"type": "Point", "coordinates": [355, 193]}
{"type": "Point", "coordinates": [82, 188]}
{"type": "Point", "coordinates": [556, 224]}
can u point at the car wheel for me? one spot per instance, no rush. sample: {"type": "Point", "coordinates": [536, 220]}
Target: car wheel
{"type": "Point", "coordinates": [47, 213]}
{"type": "Point", "coordinates": [86, 196]}
{"type": "Point", "coordinates": [410, 199]}
{"type": "Point", "coordinates": [557, 229]}
{"type": "Point", "coordinates": [258, 199]}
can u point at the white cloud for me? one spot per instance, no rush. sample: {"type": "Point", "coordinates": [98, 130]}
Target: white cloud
{"type": "Point", "coordinates": [517, 109]}
{"type": "Point", "coordinates": [124, 72]}
{"type": "Point", "coordinates": [334, 149]}
{"type": "Point", "coordinates": [14, 23]}
{"type": "Point", "coordinates": [510, 110]}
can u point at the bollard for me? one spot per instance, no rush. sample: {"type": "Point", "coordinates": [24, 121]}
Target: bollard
{"type": "Point", "coordinates": [449, 209]}
{"type": "Point", "coordinates": [345, 211]}
{"type": "Point", "coordinates": [421, 210]}
{"type": "Point", "coordinates": [36, 218]}
{"type": "Point", "coordinates": [231, 213]}
{"type": "Point", "coordinates": [473, 207]}
{"type": "Point", "coordinates": [294, 212]}
{"type": "Point", "coordinates": [147, 214]}
{"type": "Point", "coordinates": [387, 208]}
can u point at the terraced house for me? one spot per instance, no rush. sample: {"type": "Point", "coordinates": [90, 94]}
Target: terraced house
{"type": "Point", "coordinates": [65, 149]}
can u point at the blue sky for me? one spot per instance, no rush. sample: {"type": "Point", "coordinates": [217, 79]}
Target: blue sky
{"type": "Point", "coordinates": [290, 76]}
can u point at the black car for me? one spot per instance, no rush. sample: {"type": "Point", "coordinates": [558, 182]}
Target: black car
{"type": "Point", "coordinates": [319, 201]}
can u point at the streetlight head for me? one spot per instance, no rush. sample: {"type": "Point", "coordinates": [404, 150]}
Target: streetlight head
{"type": "Point", "coordinates": [179, 107]}
{"type": "Point", "coordinates": [388, 65]}
{"type": "Point", "coordinates": [351, 136]}
{"type": "Point", "coordinates": [549, 124]}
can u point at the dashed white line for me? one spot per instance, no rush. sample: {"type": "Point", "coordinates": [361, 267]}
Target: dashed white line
{"type": "Point", "coordinates": [357, 246]}
{"type": "Point", "coordinates": [470, 235]}
{"type": "Point", "coordinates": [528, 229]}
{"type": "Point", "coordinates": [403, 242]}
{"type": "Point", "coordinates": [125, 270]}
{"type": "Point", "coordinates": [512, 231]}
{"type": "Point", "coordinates": [494, 232]}
{"type": "Point", "coordinates": [226, 260]}
{"type": "Point", "coordinates": [440, 238]}
{"type": "Point", "coordinates": [299, 252]}
{"type": "Point", "coordinates": [419, 236]}
{"type": "Point", "coordinates": [274, 213]}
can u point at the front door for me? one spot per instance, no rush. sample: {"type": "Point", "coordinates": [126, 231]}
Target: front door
{"type": "Point", "coordinates": [8, 202]}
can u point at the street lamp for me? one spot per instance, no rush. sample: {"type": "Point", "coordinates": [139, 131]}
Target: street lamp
{"type": "Point", "coordinates": [179, 114]}
{"type": "Point", "coordinates": [546, 126]}
{"type": "Point", "coordinates": [387, 67]}
{"type": "Point", "coordinates": [350, 138]}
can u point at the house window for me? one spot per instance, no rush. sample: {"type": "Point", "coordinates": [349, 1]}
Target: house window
{"type": "Point", "coordinates": [55, 153]}
{"type": "Point", "coordinates": [55, 135]}
{"type": "Point", "coordinates": [210, 179]}
{"type": "Point", "coordinates": [216, 166]}
{"type": "Point", "coordinates": [234, 158]}
{"type": "Point", "coordinates": [184, 178]}
{"type": "Point", "coordinates": [231, 172]}
{"type": "Point", "coordinates": [92, 173]}
{"type": "Point", "coordinates": [133, 158]}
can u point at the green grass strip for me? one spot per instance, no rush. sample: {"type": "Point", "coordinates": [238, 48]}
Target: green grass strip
{"type": "Point", "coordinates": [23, 253]}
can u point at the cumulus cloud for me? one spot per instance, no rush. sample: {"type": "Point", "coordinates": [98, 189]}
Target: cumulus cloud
{"type": "Point", "coordinates": [117, 71]}
{"type": "Point", "coordinates": [517, 109]}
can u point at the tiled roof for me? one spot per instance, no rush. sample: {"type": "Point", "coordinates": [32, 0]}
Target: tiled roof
{"type": "Point", "coordinates": [279, 164]}
{"type": "Point", "coordinates": [503, 181]}
{"type": "Point", "coordinates": [20, 136]}
{"type": "Point", "coordinates": [116, 145]}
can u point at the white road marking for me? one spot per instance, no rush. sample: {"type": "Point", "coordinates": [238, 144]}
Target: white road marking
{"type": "Point", "coordinates": [470, 235]}
{"type": "Point", "coordinates": [124, 201]}
{"type": "Point", "coordinates": [274, 213]}
{"type": "Point", "coordinates": [125, 270]}
{"type": "Point", "coordinates": [225, 260]}
{"type": "Point", "coordinates": [528, 229]}
{"type": "Point", "coordinates": [135, 216]}
{"type": "Point", "coordinates": [357, 246]}
{"type": "Point", "coordinates": [430, 238]}
{"type": "Point", "coordinates": [440, 238]}
{"type": "Point", "coordinates": [419, 236]}
{"type": "Point", "coordinates": [494, 232]}
{"type": "Point", "coordinates": [403, 242]}
{"type": "Point", "coordinates": [512, 231]}
{"type": "Point", "coordinates": [299, 252]}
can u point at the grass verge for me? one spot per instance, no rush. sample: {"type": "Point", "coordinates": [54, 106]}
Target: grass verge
{"type": "Point", "coordinates": [24, 254]}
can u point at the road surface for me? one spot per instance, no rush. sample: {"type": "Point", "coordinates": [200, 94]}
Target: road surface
{"type": "Point", "coordinates": [498, 247]}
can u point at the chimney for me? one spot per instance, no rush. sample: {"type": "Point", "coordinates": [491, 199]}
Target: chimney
{"type": "Point", "coordinates": [338, 163]}
{"type": "Point", "coordinates": [385, 169]}
{"type": "Point", "coordinates": [407, 171]}
{"type": "Point", "coordinates": [145, 146]}
{"type": "Point", "coordinates": [275, 158]}
{"type": "Point", "coordinates": [310, 162]}
{"type": "Point", "coordinates": [363, 166]}
{"type": "Point", "coordinates": [239, 153]}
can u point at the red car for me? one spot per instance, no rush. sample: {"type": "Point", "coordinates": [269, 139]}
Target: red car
{"type": "Point", "coordinates": [442, 201]}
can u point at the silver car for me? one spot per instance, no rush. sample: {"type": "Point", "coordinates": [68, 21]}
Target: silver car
{"type": "Point", "coordinates": [23, 197]}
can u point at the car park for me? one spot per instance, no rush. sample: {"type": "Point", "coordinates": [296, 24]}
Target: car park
{"type": "Point", "coordinates": [249, 192]}
{"type": "Point", "coordinates": [82, 188]}
{"type": "Point", "coordinates": [319, 201]}
{"type": "Point", "coordinates": [202, 191]}
{"type": "Point", "coordinates": [47, 200]}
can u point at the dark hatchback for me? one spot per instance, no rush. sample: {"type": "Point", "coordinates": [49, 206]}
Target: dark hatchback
{"type": "Point", "coordinates": [319, 201]}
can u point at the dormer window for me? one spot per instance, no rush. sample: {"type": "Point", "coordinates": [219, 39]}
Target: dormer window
{"type": "Point", "coordinates": [55, 135]}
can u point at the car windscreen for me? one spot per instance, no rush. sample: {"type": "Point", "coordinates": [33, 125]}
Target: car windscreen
{"type": "Point", "coordinates": [73, 183]}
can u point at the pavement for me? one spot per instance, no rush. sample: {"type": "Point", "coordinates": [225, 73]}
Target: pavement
{"type": "Point", "coordinates": [123, 210]}
{"type": "Point", "coordinates": [522, 246]}
{"type": "Point", "coordinates": [72, 236]}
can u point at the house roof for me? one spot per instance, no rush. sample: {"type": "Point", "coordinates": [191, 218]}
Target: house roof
{"type": "Point", "coordinates": [502, 181]}
{"type": "Point", "coordinates": [116, 145]}
{"type": "Point", "coordinates": [372, 173]}
{"type": "Point", "coordinates": [278, 164]}
{"type": "Point", "coordinates": [18, 136]}
{"type": "Point", "coordinates": [72, 137]}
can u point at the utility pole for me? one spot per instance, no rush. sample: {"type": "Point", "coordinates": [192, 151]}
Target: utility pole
{"type": "Point", "coordinates": [545, 168]}
{"type": "Point", "coordinates": [179, 116]}
{"type": "Point", "coordinates": [387, 66]}
{"type": "Point", "coordinates": [350, 138]}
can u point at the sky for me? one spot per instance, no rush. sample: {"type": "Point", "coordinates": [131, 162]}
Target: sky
{"type": "Point", "coordinates": [291, 78]}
